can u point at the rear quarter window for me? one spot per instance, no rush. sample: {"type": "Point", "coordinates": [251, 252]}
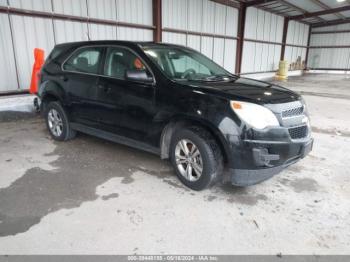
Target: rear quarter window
{"type": "Point", "coordinates": [84, 60]}
{"type": "Point", "coordinates": [55, 53]}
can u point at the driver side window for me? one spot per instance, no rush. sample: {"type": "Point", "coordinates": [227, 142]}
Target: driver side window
{"type": "Point", "coordinates": [119, 60]}
{"type": "Point", "coordinates": [184, 63]}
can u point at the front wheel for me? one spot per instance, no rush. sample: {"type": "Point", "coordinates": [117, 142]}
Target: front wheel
{"type": "Point", "coordinates": [196, 157]}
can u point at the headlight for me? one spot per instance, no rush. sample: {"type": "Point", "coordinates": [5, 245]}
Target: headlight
{"type": "Point", "coordinates": [304, 104]}
{"type": "Point", "coordinates": [257, 116]}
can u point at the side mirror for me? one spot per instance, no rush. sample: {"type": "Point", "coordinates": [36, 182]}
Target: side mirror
{"type": "Point", "coordinates": [138, 75]}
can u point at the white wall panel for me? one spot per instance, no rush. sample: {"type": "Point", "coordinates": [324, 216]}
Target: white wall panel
{"type": "Point", "coordinates": [297, 33]}
{"type": "Point", "coordinates": [194, 41]}
{"type": "Point", "coordinates": [230, 55]}
{"type": "Point", "coordinates": [195, 20]}
{"type": "Point", "coordinates": [248, 60]}
{"type": "Point", "coordinates": [279, 28]}
{"type": "Point", "coordinates": [102, 32]}
{"type": "Point", "coordinates": [135, 11]}
{"type": "Point", "coordinates": [271, 58]}
{"type": "Point", "coordinates": [207, 46]}
{"type": "Point", "coordinates": [7, 66]}
{"type": "Point", "coordinates": [38, 5]}
{"type": "Point", "coordinates": [290, 32]}
{"type": "Point", "coordinates": [338, 58]}
{"type": "Point", "coordinates": [262, 26]}
{"type": "Point", "coordinates": [218, 51]}
{"type": "Point", "coordinates": [220, 19]}
{"type": "Point", "coordinates": [333, 58]}
{"type": "Point", "coordinates": [251, 23]}
{"type": "Point", "coordinates": [260, 57]}
{"type": "Point", "coordinates": [330, 39]}
{"type": "Point", "coordinates": [134, 34]}
{"type": "Point", "coordinates": [70, 7]}
{"type": "Point", "coordinates": [264, 57]}
{"type": "Point", "coordinates": [292, 53]}
{"type": "Point", "coordinates": [267, 26]}
{"type": "Point", "coordinates": [67, 31]}
{"type": "Point", "coordinates": [288, 54]}
{"type": "Point", "coordinates": [174, 14]}
{"type": "Point", "coordinates": [231, 21]}
{"type": "Point", "coordinates": [202, 16]}
{"type": "Point", "coordinates": [29, 33]}
{"type": "Point", "coordinates": [208, 15]}
{"type": "Point", "coordinates": [175, 38]}
{"type": "Point", "coordinates": [277, 56]}
{"type": "Point", "coordinates": [273, 26]}
{"type": "Point", "coordinates": [105, 9]}
{"type": "Point", "coordinates": [3, 2]}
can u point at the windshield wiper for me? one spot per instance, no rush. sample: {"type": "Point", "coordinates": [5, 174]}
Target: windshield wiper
{"type": "Point", "coordinates": [213, 78]}
{"type": "Point", "coordinates": [219, 78]}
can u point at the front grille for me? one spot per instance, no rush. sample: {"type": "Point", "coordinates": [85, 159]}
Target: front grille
{"type": "Point", "coordinates": [298, 132]}
{"type": "Point", "coordinates": [293, 112]}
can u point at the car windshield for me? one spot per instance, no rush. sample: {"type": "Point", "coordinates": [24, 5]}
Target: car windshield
{"type": "Point", "coordinates": [183, 64]}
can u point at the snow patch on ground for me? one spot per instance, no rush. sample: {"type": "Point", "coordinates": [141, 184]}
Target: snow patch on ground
{"type": "Point", "coordinates": [17, 103]}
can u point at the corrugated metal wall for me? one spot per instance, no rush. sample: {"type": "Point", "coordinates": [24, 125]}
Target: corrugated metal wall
{"type": "Point", "coordinates": [263, 41]}
{"type": "Point", "coordinates": [217, 23]}
{"type": "Point", "coordinates": [331, 57]}
{"type": "Point", "coordinates": [8, 65]}
{"type": "Point", "coordinates": [204, 25]}
{"type": "Point", "coordinates": [19, 35]}
{"type": "Point", "coordinates": [297, 38]}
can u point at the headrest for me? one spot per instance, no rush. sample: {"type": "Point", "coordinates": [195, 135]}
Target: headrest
{"type": "Point", "coordinates": [83, 61]}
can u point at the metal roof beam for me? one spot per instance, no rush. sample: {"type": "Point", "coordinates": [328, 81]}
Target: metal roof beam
{"type": "Point", "coordinates": [323, 12]}
{"type": "Point", "coordinates": [324, 6]}
{"type": "Point", "coordinates": [228, 3]}
{"type": "Point", "coordinates": [259, 2]}
{"type": "Point", "coordinates": [293, 6]}
{"type": "Point", "coordinates": [332, 22]}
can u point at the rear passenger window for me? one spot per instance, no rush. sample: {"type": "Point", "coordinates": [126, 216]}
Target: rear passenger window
{"type": "Point", "coordinates": [119, 60]}
{"type": "Point", "coordinates": [85, 60]}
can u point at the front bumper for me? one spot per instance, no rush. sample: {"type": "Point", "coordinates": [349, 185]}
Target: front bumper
{"type": "Point", "coordinates": [267, 159]}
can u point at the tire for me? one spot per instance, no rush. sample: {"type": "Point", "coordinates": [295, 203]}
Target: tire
{"type": "Point", "coordinates": [64, 132]}
{"type": "Point", "coordinates": [210, 156]}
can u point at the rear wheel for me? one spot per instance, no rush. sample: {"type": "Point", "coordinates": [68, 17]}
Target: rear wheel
{"type": "Point", "coordinates": [57, 122]}
{"type": "Point", "coordinates": [196, 157]}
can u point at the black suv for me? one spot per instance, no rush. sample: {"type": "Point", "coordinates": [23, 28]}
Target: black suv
{"type": "Point", "coordinates": [173, 101]}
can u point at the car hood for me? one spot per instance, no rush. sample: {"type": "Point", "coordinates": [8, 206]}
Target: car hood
{"type": "Point", "coordinates": [247, 89]}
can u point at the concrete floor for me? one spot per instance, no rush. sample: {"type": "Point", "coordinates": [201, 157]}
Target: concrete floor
{"type": "Point", "coordinates": [89, 196]}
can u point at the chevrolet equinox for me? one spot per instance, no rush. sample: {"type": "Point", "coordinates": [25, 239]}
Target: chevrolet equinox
{"type": "Point", "coordinates": [175, 102]}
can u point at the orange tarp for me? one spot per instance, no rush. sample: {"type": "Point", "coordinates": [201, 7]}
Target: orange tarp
{"type": "Point", "coordinates": [39, 60]}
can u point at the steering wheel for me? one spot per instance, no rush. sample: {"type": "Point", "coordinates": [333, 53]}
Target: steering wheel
{"type": "Point", "coordinates": [188, 72]}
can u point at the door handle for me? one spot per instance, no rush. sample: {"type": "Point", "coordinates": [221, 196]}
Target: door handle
{"type": "Point", "coordinates": [64, 78]}
{"type": "Point", "coordinates": [104, 88]}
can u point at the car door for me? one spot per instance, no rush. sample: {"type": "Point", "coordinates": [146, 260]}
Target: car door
{"type": "Point", "coordinates": [80, 72]}
{"type": "Point", "coordinates": [128, 106]}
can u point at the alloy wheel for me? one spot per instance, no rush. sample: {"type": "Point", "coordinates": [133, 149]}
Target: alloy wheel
{"type": "Point", "coordinates": [188, 160]}
{"type": "Point", "coordinates": [55, 122]}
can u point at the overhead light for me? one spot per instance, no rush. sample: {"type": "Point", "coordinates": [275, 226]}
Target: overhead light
{"type": "Point", "coordinates": [341, 1]}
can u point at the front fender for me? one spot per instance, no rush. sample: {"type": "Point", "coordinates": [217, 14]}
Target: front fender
{"type": "Point", "coordinates": [225, 132]}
